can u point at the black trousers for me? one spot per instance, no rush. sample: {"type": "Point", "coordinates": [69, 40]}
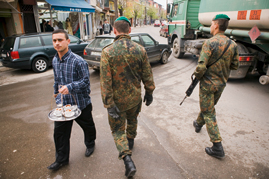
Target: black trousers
{"type": "Point", "coordinates": [62, 132]}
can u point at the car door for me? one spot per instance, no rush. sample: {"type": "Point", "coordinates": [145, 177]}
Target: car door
{"type": "Point", "coordinates": [29, 46]}
{"type": "Point", "coordinates": [151, 47]}
{"type": "Point", "coordinates": [136, 39]}
{"type": "Point", "coordinates": [48, 46]}
{"type": "Point", "coordinates": [76, 46]}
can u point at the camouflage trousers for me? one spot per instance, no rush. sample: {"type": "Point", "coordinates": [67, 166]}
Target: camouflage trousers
{"type": "Point", "coordinates": [118, 126]}
{"type": "Point", "coordinates": [209, 96]}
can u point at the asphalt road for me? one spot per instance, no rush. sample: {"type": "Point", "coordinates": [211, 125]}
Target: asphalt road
{"type": "Point", "coordinates": [166, 145]}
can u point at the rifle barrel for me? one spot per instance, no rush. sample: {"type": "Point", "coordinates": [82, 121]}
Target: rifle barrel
{"type": "Point", "coordinates": [183, 100]}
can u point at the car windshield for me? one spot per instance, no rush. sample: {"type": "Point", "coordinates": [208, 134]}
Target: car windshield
{"type": "Point", "coordinates": [157, 21]}
{"type": "Point", "coordinates": [100, 43]}
{"type": "Point", "coordinates": [9, 43]}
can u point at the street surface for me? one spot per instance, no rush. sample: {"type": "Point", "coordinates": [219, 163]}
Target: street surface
{"type": "Point", "coordinates": [166, 146]}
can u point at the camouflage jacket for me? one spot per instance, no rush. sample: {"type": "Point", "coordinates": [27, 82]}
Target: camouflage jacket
{"type": "Point", "coordinates": [212, 49]}
{"type": "Point", "coordinates": [124, 64]}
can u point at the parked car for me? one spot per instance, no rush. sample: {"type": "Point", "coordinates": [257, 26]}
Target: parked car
{"type": "Point", "coordinates": [164, 22]}
{"type": "Point", "coordinates": [157, 23]}
{"type": "Point", "coordinates": [34, 51]}
{"type": "Point", "coordinates": [164, 31]}
{"type": "Point", "coordinates": [155, 51]}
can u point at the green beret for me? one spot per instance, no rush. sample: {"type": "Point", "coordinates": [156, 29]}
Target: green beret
{"type": "Point", "coordinates": [221, 16]}
{"type": "Point", "coordinates": [122, 18]}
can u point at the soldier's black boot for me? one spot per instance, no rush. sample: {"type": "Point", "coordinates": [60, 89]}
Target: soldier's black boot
{"type": "Point", "coordinates": [130, 143]}
{"type": "Point", "coordinates": [216, 150]}
{"type": "Point", "coordinates": [129, 166]}
{"type": "Point", "coordinates": [197, 127]}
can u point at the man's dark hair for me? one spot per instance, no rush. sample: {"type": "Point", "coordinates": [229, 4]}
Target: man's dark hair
{"type": "Point", "coordinates": [122, 26]}
{"type": "Point", "coordinates": [223, 24]}
{"type": "Point", "coordinates": [61, 31]}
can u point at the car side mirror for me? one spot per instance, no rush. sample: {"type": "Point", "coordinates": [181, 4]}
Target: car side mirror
{"type": "Point", "coordinates": [79, 42]}
{"type": "Point", "coordinates": [157, 43]}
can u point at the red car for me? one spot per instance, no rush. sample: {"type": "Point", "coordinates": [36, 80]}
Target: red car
{"type": "Point", "coordinates": [164, 30]}
{"type": "Point", "coordinates": [157, 23]}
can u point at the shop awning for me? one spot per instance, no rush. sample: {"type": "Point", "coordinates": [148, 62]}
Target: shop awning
{"type": "Point", "coordinates": [71, 5]}
{"type": "Point", "coordinates": [98, 9]}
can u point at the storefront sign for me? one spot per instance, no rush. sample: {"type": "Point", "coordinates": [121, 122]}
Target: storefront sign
{"type": "Point", "coordinates": [71, 5]}
{"type": "Point", "coordinates": [75, 10]}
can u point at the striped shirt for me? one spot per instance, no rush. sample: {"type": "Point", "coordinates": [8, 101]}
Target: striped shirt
{"type": "Point", "coordinates": [73, 72]}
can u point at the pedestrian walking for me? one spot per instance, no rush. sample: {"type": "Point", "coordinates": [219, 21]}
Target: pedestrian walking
{"type": "Point", "coordinates": [221, 54]}
{"type": "Point", "coordinates": [42, 26]}
{"type": "Point", "coordinates": [124, 64]}
{"type": "Point", "coordinates": [107, 28]}
{"type": "Point", "coordinates": [71, 71]}
{"type": "Point", "coordinates": [100, 27]}
{"type": "Point", "coordinates": [48, 27]}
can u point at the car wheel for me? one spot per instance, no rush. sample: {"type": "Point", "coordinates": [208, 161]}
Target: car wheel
{"type": "Point", "coordinates": [176, 49]}
{"type": "Point", "coordinates": [165, 57]}
{"type": "Point", "coordinates": [39, 64]}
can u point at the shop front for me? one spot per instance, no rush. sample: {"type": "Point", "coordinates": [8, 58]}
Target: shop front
{"type": "Point", "coordinates": [75, 17]}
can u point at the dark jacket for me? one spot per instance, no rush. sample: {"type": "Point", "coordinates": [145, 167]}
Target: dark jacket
{"type": "Point", "coordinates": [49, 28]}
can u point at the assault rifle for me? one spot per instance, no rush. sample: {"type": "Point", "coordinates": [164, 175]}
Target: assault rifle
{"type": "Point", "coordinates": [195, 80]}
{"type": "Point", "coordinates": [191, 87]}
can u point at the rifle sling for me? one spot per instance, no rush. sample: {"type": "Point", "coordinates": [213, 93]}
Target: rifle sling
{"type": "Point", "coordinates": [226, 48]}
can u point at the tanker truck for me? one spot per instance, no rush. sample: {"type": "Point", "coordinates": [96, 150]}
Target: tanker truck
{"type": "Point", "coordinates": [189, 27]}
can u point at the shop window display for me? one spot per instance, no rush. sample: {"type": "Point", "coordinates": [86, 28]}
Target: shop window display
{"type": "Point", "coordinates": [68, 21]}
{"type": "Point", "coordinates": [72, 22]}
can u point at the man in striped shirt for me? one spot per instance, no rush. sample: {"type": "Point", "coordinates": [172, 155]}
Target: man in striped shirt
{"type": "Point", "coordinates": [71, 77]}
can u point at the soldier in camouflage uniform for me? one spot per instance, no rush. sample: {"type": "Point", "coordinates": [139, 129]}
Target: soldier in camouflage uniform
{"type": "Point", "coordinates": [213, 80]}
{"type": "Point", "coordinates": [124, 64]}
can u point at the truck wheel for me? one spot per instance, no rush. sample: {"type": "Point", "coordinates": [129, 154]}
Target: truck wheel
{"type": "Point", "coordinates": [39, 64]}
{"type": "Point", "coordinates": [176, 49]}
{"type": "Point", "coordinates": [261, 68]}
{"type": "Point", "coordinates": [165, 57]}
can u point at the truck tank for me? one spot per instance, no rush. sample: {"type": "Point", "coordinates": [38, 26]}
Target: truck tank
{"type": "Point", "coordinates": [244, 14]}
{"type": "Point", "coordinates": [189, 27]}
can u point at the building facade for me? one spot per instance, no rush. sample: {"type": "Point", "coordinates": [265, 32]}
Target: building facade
{"type": "Point", "coordinates": [82, 18]}
{"type": "Point", "coordinates": [28, 16]}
